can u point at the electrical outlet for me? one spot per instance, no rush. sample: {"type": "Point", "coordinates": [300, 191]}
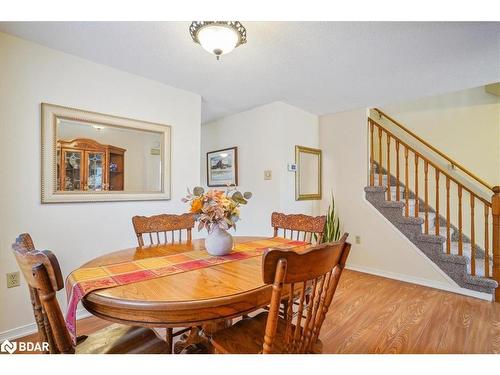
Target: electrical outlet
{"type": "Point", "coordinates": [357, 240]}
{"type": "Point", "coordinates": [13, 279]}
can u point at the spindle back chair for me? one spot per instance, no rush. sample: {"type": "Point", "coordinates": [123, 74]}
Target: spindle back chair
{"type": "Point", "coordinates": [44, 278]}
{"type": "Point", "coordinates": [298, 227]}
{"type": "Point", "coordinates": [43, 275]}
{"type": "Point", "coordinates": [26, 255]}
{"type": "Point", "coordinates": [319, 267]}
{"type": "Point", "coordinates": [292, 274]}
{"type": "Point", "coordinates": [161, 229]}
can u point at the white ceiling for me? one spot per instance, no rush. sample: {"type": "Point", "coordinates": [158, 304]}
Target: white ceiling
{"type": "Point", "coordinates": [322, 67]}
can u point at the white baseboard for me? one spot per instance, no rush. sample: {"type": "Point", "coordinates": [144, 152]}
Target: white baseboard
{"type": "Point", "coordinates": [29, 329]}
{"type": "Point", "coordinates": [420, 281]}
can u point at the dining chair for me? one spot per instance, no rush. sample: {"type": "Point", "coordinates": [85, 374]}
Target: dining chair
{"type": "Point", "coordinates": [44, 278]}
{"type": "Point", "coordinates": [162, 229]}
{"type": "Point", "coordinates": [299, 227]}
{"type": "Point", "coordinates": [290, 273]}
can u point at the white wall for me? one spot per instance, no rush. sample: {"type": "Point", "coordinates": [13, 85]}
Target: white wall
{"type": "Point", "coordinates": [266, 137]}
{"type": "Point", "coordinates": [31, 74]}
{"type": "Point", "coordinates": [383, 249]}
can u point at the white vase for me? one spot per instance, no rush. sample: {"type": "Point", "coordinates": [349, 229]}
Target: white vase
{"type": "Point", "coordinates": [218, 242]}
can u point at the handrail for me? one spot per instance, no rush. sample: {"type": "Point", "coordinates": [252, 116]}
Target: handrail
{"type": "Point", "coordinates": [453, 162]}
{"type": "Point", "coordinates": [432, 164]}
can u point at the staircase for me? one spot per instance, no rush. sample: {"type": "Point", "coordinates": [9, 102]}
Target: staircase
{"type": "Point", "coordinates": [452, 223]}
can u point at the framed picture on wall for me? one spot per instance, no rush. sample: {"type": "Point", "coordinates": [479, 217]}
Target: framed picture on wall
{"type": "Point", "coordinates": [222, 167]}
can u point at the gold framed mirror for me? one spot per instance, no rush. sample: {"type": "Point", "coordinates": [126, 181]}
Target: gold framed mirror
{"type": "Point", "coordinates": [92, 157]}
{"type": "Point", "coordinates": [308, 173]}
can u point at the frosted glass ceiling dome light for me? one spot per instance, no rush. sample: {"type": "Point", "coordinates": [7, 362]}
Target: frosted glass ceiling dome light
{"type": "Point", "coordinates": [218, 37]}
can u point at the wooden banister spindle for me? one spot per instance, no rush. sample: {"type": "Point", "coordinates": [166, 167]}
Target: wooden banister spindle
{"type": "Point", "coordinates": [398, 197]}
{"type": "Point", "coordinates": [388, 172]}
{"type": "Point", "coordinates": [372, 168]}
{"type": "Point", "coordinates": [379, 156]}
{"type": "Point", "coordinates": [448, 237]}
{"type": "Point", "coordinates": [495, 211]}
{"type": "Point", "coordinates": [426, 193]}
{"type": "Point", "coordinates": [417, 203]}
{"type": "Point", "coordinates": [472, 238]}
{"type": "Point", "coordinates": [407, 206]}
{"type": "Point", "coordinates": [486, 241]}
{"type": "Point", "coordinates": [460, 240]}
{"type": "Point", "coordinates": [436, 220]}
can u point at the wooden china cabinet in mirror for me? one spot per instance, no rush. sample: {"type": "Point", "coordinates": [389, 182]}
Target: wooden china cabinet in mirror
{"type": "Point", "coordinates": [85, 164]}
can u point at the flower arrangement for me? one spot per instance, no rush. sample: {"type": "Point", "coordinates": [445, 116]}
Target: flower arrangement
{"type": "Point", "coordinates": [216, 208]}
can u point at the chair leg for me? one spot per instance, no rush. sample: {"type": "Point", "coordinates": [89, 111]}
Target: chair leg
{"type": "Point", "coordinates": [170, 339]}
{"type": "Point", "coordinates": [285, 308]}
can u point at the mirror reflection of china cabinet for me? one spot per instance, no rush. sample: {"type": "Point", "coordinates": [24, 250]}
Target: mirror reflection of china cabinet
{"type": "Point", "coordinates": [85, 164]}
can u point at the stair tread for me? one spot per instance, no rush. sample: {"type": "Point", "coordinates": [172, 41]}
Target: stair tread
{"type": "Point", "coordinates": [394, 188]}
{"type": "Point", "coordinates": [394, 195]}
{"type": "Point", "coordinates": [466, 252]}
{"type": "Point", "coordinates": [479, 268]}
{"type": "Point", "coordinates": [480, 280]}
{"type": "Point", "coordinates": [384, 178]}
{"type": "Point", "coordinates": [431, 215]}
{"type": "Point", "coordinates": [442, 231]}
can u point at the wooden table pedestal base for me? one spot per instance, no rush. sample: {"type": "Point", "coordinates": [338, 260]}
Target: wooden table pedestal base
{"type": "Point", "coordinates": [198, 339]}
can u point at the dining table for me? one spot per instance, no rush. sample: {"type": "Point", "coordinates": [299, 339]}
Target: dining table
{"type": "Point", "coordinates": [206, 299]}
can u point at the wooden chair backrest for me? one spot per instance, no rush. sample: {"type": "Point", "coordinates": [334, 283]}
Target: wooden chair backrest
{"type": "Point", "coordinates": [44, 278]}
{"type": "Point", "coordinates": [312, 276]}
{"type": "Point", "coordinates": [158, 227]}
{"type": "Point", "coordinates": [299, 227]}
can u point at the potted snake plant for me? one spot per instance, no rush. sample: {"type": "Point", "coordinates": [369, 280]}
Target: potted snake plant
{"type": "Point", "coordinates": [332, 227]}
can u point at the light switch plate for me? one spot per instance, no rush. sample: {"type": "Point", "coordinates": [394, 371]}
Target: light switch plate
{"type": "Point", "coordinates": [13, 279]}
{"type": "Point", "coordinates": [268, 175]}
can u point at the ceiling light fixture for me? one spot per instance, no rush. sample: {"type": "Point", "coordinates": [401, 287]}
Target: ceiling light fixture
{"type": "Point", "coordinates": [218, 37]}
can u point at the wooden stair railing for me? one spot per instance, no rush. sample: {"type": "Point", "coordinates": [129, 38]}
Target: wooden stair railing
{"type": "Point", "coordinates": [434, 149]}
{"type": "Point", "coordinates": [443, 177]}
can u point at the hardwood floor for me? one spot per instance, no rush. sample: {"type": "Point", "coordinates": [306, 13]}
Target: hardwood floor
{"type": "Point", "coordinates": [372, 314]}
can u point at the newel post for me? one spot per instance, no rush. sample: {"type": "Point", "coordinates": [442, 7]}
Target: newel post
{"type": "Point", "coordinates": [495, 209]}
